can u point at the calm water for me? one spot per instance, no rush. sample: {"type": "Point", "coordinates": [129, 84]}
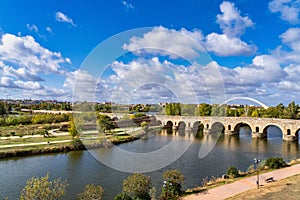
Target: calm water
{"type": "Point", "coordinates": [81, 168]}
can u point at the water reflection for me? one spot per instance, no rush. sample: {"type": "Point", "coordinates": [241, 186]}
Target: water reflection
{"type": "Point", "coordinates": [80, 168]}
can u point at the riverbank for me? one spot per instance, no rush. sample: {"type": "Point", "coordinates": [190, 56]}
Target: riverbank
{"type": "Point", "coordinates": [243, 185]}
{"type": "Point", "coordinates": [63, 146]}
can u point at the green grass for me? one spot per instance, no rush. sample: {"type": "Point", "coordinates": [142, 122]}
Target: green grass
{"type": "Point", "coordinates": [33, 140]}
{"type": "Point", "coordinates": [26, 129]}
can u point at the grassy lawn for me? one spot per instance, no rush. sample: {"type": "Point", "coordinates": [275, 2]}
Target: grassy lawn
{"type": "Point", "coordinates": [26, 129]}
{"type": "Point", "coordinates": [288, 188]}
{"type": "Point", "coordinates": [33, 140]}
{"type": "Point", "coordinates": [36, 147]}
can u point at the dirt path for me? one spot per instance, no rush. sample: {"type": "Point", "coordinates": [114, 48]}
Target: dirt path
{"type": "Point", "coordinates": [229, 190]}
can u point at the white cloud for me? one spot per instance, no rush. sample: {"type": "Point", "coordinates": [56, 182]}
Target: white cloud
{"type": "Point", "coordinates": [163, 41]}
{"type": "Point", "coordinates": [20, 73]}
{"type": "Point", "coordinates": [26, 52]}
{"type": "Point", "coordinates": [127, 5]}
{"type": "Point", "coordinates": [32, 28]}
{"type": "Point", "coordinates": [288, 9]}
{"type": "Point", "coordinates": [292, 38]}
{"type": "Point", "coordinates": [8, 82]}
{"type": "Point", "coordinates": [24, 62]}
{"type": "Point", "coordinates": [49, 30]}
{"type": "Point", "coordinates": [223, 45]}
{"type": "Point", "coordinates": [35, 29]}
{"type": "Point", "coordinates": [61, 17]}
{"type": "Point", "coordinates": [231, 22]}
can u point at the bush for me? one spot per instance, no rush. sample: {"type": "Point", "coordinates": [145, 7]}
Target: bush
{"type": "Point", "coordinates": [275, 163]}
{"type": "Point", "coordinates": [232, 172]}
{"type": "Point", "coordinates": [91, 192]}
{"type": "Point", "coordinates": [77, 143]}
{"type": "Point", "coordinates": [122, 196]}
{"type": "Point", "coordinates": [137, 186]}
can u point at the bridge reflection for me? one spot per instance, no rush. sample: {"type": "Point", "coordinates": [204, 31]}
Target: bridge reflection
{"type": "Point", "coordinates": [236, 143]}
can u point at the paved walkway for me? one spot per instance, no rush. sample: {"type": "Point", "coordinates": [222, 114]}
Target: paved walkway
{"type": "Point", "coordinates": [232, 189]}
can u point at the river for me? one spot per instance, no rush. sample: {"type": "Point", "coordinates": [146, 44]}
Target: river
{"type": "Point", "coordinates": [80, 167]}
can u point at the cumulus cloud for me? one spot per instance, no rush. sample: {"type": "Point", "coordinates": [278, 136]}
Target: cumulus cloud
{"type": "Point", "coordinates": [231, 22]}
{"type": "Point", "coordinates": [26, 52]}
{"type": "Point", "coordinates": [61, 17]}
{"type": "Point", "coordinates": [288, 9]}
{"type": "Point", "coordinates": [20, 73]}
{"type": "Point", "coordinates": [223, 45]}
{"type": "Point", "coordinates": [163, 41]}
{"type": "Point", "coordinates": [24, 62]}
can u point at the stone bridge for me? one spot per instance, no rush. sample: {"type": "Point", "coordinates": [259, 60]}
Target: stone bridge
{"type": "Point", "coordinates": [228, 125]}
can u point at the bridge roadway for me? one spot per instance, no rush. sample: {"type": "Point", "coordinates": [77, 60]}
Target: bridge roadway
{"type": "Point", "coordinates": [229, 125]}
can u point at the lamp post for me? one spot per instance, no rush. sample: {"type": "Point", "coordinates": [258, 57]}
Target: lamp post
{"type": "Point", "coordinates": [166, 185]}
{"type": "Point", "coordinates": [256, 162]}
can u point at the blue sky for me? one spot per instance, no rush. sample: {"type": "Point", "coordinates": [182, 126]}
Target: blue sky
{"type": "Point", "coordinates": [253, 47]}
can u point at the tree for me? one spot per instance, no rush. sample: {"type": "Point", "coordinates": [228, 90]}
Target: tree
{"type": "Point", "coordinates": [105, 122]}
{"type": "Point", "coordinates": [275, 163]}
{"type": "Point", "coordinates": [204, 109]}
{"type": "Point", "coordinates": [173, 180]}
{"type": "Point", "coordinates": [73, 130]}
{"type": "Point", "coordinates": [122, 196]}
{"type": "Point", "coordinates": [44, 189]}
{"type": "Point", "coordinates": [173, 109]}
{"type": "Point", "coordinates": [292, 111]}
{"type": "Point", "coordinates": [232, 172]}
{"type": "Point", "coordinates": [91, 192]}
{"type": "Point", "coordinates": [137, 186]}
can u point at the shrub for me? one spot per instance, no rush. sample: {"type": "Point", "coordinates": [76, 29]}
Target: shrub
{"type": "Point", "coordinates": [122, 196]}
{"type": "Point", "coordinates": [77, 143]}
{"type": "Point", "coordinates": [232, 172]}
{"type": "Point", "coordinates": [91, 192]}
{"type": "Point", "coordinates": [43, 188]}
{"type": "Point", "coordinates": [137, 186]}
{"type": "Point", "coordinates": [275, 163]}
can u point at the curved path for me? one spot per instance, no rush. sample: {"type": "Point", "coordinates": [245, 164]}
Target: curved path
{"type": "Point", "coordinates": [242, 185]}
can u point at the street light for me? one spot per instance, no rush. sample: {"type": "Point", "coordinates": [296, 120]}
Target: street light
{"type": "Point", "coordinates": [166, 185]}
{"type": "Point", "coordinates": [256, 162]}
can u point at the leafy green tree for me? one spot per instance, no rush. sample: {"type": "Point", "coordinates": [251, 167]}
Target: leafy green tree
{"type": "Point", "coordinates": [72, 129]}
{"type": "Point", "coordinates": [275, 163]}
{"type": "Point", "coordinates": [292, 111]}
{"type": "Point", "coordinates": [105, 122]}
{"type": "Point", "coordinates": [122, 196]}
{"type": "Point", "coordinates": [204, 109]}
{"type": "Point", "coordinates": [173, 180]}
{"type": "Point", "coordinates": [173, 109]}
{"type": "Point", "coordinates": [232, 172]}
{"type": "Point", "coordinates": [44, 189]}
{"type": "Point", "coordinates": [137, 186]}
{"type": "Point", "coordinates": [91, 192]}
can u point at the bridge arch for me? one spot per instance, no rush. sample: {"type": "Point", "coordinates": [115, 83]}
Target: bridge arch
{"type": "Point", "coordinates": [238, 127]}
{"type": "Point", "coordinates": [217, 127]}
{"type": "Point", "coordinates": [197, 125]}
{"type": "Point", "coordinates": [169, 124]}
{"type": "Point", "coordinates": [181, 125]}
{"type": "Point", "coordinates": [115, 118]}
{"type": "Point", "coordinates": [297, 133]}
{"type": "Point", "coordinates": [266, 128]}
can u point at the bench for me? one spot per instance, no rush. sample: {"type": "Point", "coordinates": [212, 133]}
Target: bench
{"type": "Point", "coordinates": [268, 180]}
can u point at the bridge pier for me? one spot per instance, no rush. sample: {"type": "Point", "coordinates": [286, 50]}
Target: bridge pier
{"type": "Point", "coordinates": [259, 135]}
{"type": "Point", "coordinates": [290, 138]}
{"type": "Point", "coordinates": [188, 128]}
{"type": "Point", "coordinates": [175, 127]}
{"type": "Point", "coordinates": [228, 132]}
{"type": "Point", "coordinates": [206, 131]}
